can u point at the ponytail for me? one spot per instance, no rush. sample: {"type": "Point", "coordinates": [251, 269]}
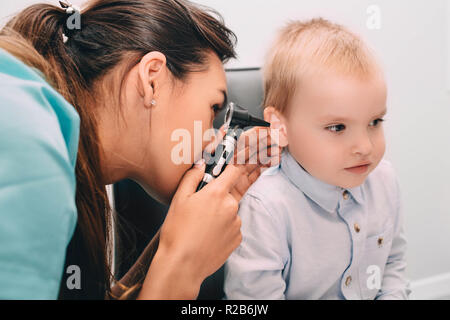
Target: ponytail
{"type": "Point", "coordinates": [19, 47]}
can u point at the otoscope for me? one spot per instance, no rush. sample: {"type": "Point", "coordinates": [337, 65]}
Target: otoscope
{"type": "Point", "coordinates": [236, 120]}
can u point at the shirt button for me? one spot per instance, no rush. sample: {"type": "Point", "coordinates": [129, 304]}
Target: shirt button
{"type": "Point", "coordinates": [348, 281]}
{"type": "Point", "coordinates": [380, 242]}
{"type": "Point", "coordinates": [345, 195]}
{"type": "Point", "coordinates": [357, 228]}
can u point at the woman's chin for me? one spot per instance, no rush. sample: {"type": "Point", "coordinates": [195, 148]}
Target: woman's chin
{"type": "Point", "coordinates": [162, 196]}
{"type": "Point", "coordinates": [163, 187]}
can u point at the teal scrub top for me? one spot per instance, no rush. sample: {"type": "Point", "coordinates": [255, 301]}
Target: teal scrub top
{"type": "Point", "coordinates": [39, 132]}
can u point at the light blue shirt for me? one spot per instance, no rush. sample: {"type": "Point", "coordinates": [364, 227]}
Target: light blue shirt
{"type": "Point", "coordinates": [305, 239]}
{"type": "Point", "coordinates": [38, 149]}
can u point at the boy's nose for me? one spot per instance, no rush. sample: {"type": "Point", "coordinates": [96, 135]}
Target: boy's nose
{"type": "Point", "coordinates": [363, 145]}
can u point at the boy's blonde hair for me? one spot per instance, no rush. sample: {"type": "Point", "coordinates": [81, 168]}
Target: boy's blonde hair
{"type": "Point", "coordinates": [305, 48]}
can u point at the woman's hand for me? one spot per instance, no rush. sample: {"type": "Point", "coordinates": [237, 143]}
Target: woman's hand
{"type": "Point", "coordinates": [257, 150]}
{"type": "Point", "coordinates": [202, 229]}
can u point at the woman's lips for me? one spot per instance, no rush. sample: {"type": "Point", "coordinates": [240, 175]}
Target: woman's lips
{"type": "Point", "coordinates": [359, 169]}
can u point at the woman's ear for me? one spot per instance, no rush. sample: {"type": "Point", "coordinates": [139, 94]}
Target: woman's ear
{"type": "Point", "coordinates": [151, 71]}
{"type": "Point", "coordinates": [277, 122]}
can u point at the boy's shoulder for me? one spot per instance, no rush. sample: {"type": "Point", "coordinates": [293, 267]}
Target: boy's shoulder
{"type": "Point", "coordinates": [267, 183]}
{"type": "Point", "coordinates": [272, 189]}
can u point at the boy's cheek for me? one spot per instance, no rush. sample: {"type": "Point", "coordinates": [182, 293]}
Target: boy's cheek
{"type": "Point", "coordinates": [315, 153]}
{"type": "Point", "coordinates": [380, 146]}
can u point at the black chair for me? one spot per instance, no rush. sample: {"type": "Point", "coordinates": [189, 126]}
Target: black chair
{"type": "Point", "coordinates": [140, 216]}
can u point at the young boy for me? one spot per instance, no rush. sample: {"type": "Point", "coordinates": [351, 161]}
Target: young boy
{"type": "Point", "coordinates": [326, 223]}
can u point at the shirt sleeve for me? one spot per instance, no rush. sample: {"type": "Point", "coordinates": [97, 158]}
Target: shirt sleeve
{"type": "Point", "coordinates": [254, 269]}
{"type": "Point", "coordinates": [395, 285]}
{"type": "Point", "coordinates": [37, 197]}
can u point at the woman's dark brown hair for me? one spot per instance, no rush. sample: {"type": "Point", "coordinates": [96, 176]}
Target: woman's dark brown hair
{"type": "Point", "coordinates": [113, 34]}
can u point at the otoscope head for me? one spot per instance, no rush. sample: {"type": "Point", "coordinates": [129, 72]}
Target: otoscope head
{"type": "Point", "coordinates": [237, 116]}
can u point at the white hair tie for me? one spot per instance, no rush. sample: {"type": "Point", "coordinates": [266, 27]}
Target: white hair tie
{"type": "Point", "coordinates": [70, 10]}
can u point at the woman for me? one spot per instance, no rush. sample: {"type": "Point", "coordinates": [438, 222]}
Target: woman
{"type": "Point", "coordinates": [135, 72]}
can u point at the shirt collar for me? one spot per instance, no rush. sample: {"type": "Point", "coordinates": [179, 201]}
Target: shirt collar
{"type": "Point", "coordinates": [325, 195]}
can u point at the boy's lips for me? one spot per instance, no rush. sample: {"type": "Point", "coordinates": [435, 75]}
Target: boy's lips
{"type": "Point", "coordinates": [359, 169]}
{"type": "Point", "coordinates": [360, 165]}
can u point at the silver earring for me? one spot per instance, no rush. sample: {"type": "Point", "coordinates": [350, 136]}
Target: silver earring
{"type": "Point", "coordinates": [153, 102]}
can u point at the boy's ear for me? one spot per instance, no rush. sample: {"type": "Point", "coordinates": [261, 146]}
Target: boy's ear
{"type": "Point", "coordinates": [277, 123]}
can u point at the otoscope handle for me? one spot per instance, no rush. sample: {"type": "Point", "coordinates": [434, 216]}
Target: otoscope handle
{"type": "Point", "coordinates": [222, 157]}
{"type": "Point", "coordinates": [207, 178]}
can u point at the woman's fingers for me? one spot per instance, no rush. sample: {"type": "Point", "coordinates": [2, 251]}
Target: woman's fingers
{"type": "Point", "coordinates": [228, 179]}
{"type": "Point", "coordinates": [233, 173]}
{"type": "Point", "coordinates": [257, 141]}
{"type": "Point", "coordinates": [255, 150]}
{"type": "Point", "coordinates": [242, 186]}
{"type": "Point", "coordinates": [253, 172]}
{"type": "Point", "coordinates": [190, 181]}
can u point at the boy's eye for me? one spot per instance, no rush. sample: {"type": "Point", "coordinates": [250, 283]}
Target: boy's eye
{"type": "Point", "coordinates": [336, 128]}
{"type": "Point", "coordinates": [340, 127]}
{"type": "Point", "coordinates": [375, 123]}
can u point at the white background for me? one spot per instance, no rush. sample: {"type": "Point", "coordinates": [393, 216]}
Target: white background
{"type": "Point", "coordinates": [412, 47]}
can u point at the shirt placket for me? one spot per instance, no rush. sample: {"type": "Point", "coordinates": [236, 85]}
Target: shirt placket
{"type": "Point", "coordinates": [350, 279]}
